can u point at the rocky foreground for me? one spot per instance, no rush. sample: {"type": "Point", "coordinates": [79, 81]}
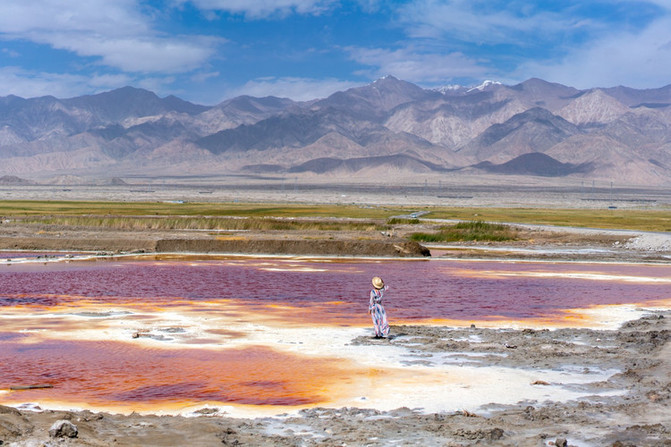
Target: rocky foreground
{"type": "Point", "coordinates": [631, 408]}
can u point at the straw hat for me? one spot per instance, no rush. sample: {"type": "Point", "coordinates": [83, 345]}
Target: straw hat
{"type": "Point", "coordinates": [378, 283]}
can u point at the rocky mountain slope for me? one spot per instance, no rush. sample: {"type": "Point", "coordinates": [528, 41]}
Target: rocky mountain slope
{"type": "Point", "coordinates": [534, 128]}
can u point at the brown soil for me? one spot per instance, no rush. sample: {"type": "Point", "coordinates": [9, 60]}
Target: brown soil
{"type": "Point", "coordinates": [390, 248]}
{"type": "Point", "coordinates": [636, 412]}
{"type": "Point", "coordinates": [319, 243]}
{"type": "Point", "coordinates": [537, 243]}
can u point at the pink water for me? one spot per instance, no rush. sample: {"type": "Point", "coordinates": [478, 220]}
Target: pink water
{"type": "Point", "coordinates": [123, 373]}
{"type": "Point", "coordinates": [419, 290]}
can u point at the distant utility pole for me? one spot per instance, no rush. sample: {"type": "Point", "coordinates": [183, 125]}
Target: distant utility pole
{"type": "Point", "coordinates": [611, 193]}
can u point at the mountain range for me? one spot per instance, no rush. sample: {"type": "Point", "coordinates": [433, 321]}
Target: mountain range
{"type": "Point", "coordinates": [535, 128]}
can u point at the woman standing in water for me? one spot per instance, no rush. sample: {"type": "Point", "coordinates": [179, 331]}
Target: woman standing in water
{"type": "Point", "coordinates": [376, 310]}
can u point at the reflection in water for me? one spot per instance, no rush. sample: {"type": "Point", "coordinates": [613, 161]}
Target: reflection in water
{"type": "Point", "coordinates": [145, 334]}
{"type": "Point", "coordinates": [104, 373]}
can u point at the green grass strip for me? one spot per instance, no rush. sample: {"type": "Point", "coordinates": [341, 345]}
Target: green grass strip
{"type": "Point", "coordinates": [468, 231]}
{"type": "Point", "coordinates": [657, 219]}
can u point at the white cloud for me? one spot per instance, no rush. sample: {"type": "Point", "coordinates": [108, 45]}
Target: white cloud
{"type": "Point", "coordinates": [370, 6]}
{"type": "Point", "coordinates": [633, 59]}
{"type": "Point", "coordinates": [666, 4]}
{"type": "Point", "coordinates": [264, 8]}
{"type": "Point", "coordinates": [116, 32]}
{"type": "Point", "coordinates": [29, 84]}
{"type": "Point", "coordinates": [479, 23]}
{"type": "Point", "coordinates": [10, 53]}
{"type": "Point", "coordinates": [137, 54]}
{"type": "Point", "coordinates": [202, 77]}
{"type": "Point", "coordinates": [118, 18]}
{"type": "Point", "coordinates": [298, 89]}
{"type": "Point", "coordinates": [162, 86]}
{"type": "Point", "coordinates": [102, 82]}
{"type": "Point", "coordinates": [569, 43]}
{"type": "Point", "coordinates": [414, 65]}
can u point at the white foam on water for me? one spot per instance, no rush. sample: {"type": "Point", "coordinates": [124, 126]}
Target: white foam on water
{"type": "Point", "coordinates": [592, 276]}
{"type": "Point", "coordinates": [50, 258]}
{"type": "Point", "coordinates": [611, 317]}
{"type": "Point", "coordinates": [292, 269]}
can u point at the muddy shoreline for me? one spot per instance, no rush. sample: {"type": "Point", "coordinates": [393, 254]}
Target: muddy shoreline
{"type": "Point", "coordinates": [531, 243]}
{"type": "Point", "coordinates": [392, 248]}
{"type": "Point", "coordinates": [631, 408]}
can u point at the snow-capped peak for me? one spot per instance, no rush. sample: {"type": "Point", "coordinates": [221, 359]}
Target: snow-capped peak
{"type": "Point", "coordinates": [484, 85]}
{"type": "Point", "coordinates": [385, 78]}
{"type": "Point", "coordinates": [449, 88]}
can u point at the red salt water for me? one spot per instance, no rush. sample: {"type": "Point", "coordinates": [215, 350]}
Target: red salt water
{"type": "Point", "coordinates": [285, 292]}
{"type": "Point", "coordinates": [104, 373]}
{"type": "Point", "coordinates": [336, 292]}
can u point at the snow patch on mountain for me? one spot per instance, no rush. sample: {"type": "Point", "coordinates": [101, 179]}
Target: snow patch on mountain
{"type": "Point", "coordinates": [485, 85]}
{"type": "Point", "coordinates": [449, 88]}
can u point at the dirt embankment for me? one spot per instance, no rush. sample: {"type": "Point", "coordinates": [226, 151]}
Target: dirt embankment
{"type": "Point", "coordinates": [397, 248]}
{"type": "Point", "coordinates": [632, 407]}
{"type": "Point", "coordinates": [528, 242]}
{"type": "Point", "coordinates": [385, 248]}
{"type": "Point", "coordinates": [314, 243]}
{"type": "Point", "coordinates": [76, 244]}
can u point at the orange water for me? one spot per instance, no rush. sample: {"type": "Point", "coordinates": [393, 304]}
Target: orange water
{"type": "Point", "coordinates": [120, 374]}
{"type": "Point", "coordinates": [46, 311]}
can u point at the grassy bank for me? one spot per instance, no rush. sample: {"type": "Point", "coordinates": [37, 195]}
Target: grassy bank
{"type": "Point", "coordinates": [467, 231]}
{"type": "Point", "coordinates": [140, 223]}
{"type": "Point", "coordinates": [633, 219]}
{"type": "Point", "coordinates": [639, 219]}
{"type": "Point", "coordinates": [79, 208]}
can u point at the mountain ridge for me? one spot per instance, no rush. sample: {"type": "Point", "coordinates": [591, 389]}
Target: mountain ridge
{"type": "Point", "coordinates": [608, 133]}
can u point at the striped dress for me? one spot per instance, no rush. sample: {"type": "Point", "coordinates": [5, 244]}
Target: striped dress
{"type": "Point", "coordinates": [378, 313]}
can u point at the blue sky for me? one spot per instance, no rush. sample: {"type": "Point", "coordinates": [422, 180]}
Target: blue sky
{"type": "Point", "coordinates": [207, 51]}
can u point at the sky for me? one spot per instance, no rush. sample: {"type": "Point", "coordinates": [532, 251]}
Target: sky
{"type": "Point", "coordinates": [206, 51]}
